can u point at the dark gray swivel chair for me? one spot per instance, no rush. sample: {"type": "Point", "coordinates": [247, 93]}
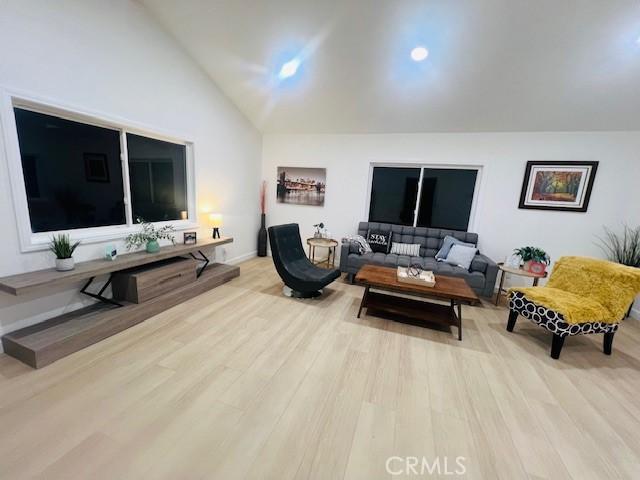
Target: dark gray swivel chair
{"type": "Point", "coordinates": [304, 279]}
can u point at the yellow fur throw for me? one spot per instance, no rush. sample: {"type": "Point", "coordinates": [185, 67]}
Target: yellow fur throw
{"type": "Point", "coordinates": [587, 290]}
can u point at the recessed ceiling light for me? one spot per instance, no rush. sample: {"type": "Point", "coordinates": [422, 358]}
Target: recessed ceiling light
{"type": "Point", "coordinates": [289, 69]}
{"type": "Point", "coordinates": [418, 54]}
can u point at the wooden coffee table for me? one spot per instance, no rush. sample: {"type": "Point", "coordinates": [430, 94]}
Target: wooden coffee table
{"type": "Point", "coordinates": [416, 312]}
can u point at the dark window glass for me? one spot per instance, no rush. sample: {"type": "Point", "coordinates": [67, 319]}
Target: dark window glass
{"type": "Point", "coordinates": [72, 172]}
{"type": "Point", "coordinates": [446, 197]}
{"type": "Point", "coordinates": [393, 195]}
{"type": "Point", "coordinates": [158, 178]}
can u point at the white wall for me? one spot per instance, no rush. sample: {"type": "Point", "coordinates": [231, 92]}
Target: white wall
{"type": "Point", "coordinates": [498, 221]}
{"type": "Point", "coordinates": [111, 57]}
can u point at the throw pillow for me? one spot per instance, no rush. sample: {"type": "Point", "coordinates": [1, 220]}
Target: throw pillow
{"type": "Point", "coordinates": [379, 241]}
{"type": "Point", "coordinates": [447, 243]}
{"type": "Point", "coordinates": [461, 256]}
{"type": "Point", "coordinates": [411, 249]}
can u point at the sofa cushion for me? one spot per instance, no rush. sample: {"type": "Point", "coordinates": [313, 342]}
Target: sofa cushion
{"type": "Point", "coordinates": [356, 260]}
{"type": "Point", "coordinates": [429, 263]}
{"type": "Point", "coordinates": [474, 279]}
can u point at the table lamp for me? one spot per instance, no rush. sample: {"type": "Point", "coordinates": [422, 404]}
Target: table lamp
{"type": "Point", "coordinates": [215, 222]}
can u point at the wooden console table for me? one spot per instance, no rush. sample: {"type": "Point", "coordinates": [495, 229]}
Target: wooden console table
{"type": "Point", "coordinates": [45, 342]}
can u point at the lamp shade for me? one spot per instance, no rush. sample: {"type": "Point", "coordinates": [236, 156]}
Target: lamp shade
{"type": "Point", "coordinates": [215, 220]}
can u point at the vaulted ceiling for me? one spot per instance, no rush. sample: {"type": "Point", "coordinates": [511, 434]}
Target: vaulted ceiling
{"type": "Point", "coordinates": [493, 65]}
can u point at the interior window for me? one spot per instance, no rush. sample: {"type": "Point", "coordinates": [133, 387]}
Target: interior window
{"type": "Point", "coordinates": [72, 172]}
{"type": "Point", "coordinates": [446, 196]}
{"type": "Point", "coordinates": [158, 178]}
{"type": "Point", "coordinates": [393, 195]}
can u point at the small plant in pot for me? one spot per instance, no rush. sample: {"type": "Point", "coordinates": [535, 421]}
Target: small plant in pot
{"type": "Point", "coordinates": [149, 236]}
{"type": "Point", "coordinates": [535, 259]}
{"type": "Point", "coordinates": [63, 248]}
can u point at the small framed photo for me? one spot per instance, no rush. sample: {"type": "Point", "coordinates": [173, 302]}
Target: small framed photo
{"type": "Point", "coordinates": [558, 185]}
{"type": "Point", "coordinates": [190, 238]}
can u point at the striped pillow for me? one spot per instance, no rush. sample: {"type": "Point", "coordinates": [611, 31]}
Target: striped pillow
{"type": "Point", "coordinates": [411, 249]}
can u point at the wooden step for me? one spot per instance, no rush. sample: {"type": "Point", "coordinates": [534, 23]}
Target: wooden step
{"type": "Point", "coordinates": [43, 343]}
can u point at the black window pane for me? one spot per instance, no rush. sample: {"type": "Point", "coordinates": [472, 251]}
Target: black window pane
{"type": "Point", "coordinates": [446, 197]}
{"type": "Point", "coordinates": [393, 195]}
{"type": "Point", "coordinates": [72, 172]}
{"type": "Point", "coordinates": [158, 178]}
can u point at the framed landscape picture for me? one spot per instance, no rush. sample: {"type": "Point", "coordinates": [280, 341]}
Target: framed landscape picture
{"type": "Point", "coordinates": [557, 185]}
{"type": "Point", "coordinates": [301, 186]}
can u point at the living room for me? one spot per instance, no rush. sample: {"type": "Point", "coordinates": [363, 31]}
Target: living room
{"type": "Point", "coordinates": [210, 120]}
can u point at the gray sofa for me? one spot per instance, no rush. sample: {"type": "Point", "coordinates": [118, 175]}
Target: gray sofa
{"type": "Point", "coordinates": [481, 276]}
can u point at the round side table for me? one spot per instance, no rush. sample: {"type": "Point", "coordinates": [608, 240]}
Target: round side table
{"type": "Point", "coordinates": [516, 271]}
{"type": "Point", "coordinates": [329, 243]}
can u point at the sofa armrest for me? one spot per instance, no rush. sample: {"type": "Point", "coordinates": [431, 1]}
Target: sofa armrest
{"type": "Point", "coordinates": [482, 263]}
{"type": "Point", "coordinates": [345, 249]}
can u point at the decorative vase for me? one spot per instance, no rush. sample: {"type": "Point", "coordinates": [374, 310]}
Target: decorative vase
{"type": "Point", "coordinates": [152, 246]}
{"type": "Point", "coordinates": [64, 264]}
{"type": "Point", "coordinates": [262, 237]}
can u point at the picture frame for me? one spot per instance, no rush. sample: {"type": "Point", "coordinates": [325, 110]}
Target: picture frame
{"type": "Point", "coordinates": [96, 167]}
{"type": "Point", "coordinates": [190, 238]}
{"type": "Point", "coordinates": [558, 185]}
{"type": "Point", "coordinates": [301, 186]}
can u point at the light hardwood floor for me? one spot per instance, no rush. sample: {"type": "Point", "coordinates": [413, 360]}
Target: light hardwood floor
{"type": "Point", "coordinates": [242, 382]}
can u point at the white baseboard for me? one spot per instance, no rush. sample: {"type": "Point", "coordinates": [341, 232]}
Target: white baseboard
{"type": "Point", "coordinates": [635, 313]}
{"type": "Point", "coordinates": [242, 258]}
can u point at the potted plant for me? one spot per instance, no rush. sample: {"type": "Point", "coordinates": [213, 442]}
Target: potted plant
{"type": "Point", "coordinates": [318, 227]}
{"type": "Point", "coordinates": [149, 236]}
{"type": "Point", "coordinates": [535, 259]}
{"type": "Point", "coordinates": [63, 249]}
{"type": "Point", "coordinates": [622, 248]}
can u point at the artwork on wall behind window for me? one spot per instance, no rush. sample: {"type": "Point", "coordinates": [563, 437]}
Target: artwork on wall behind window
{"type": "Point", "coordinates": [557, 185]}
{"type": "Point", "coordinates": [301, 186]}
{"type": "Point", "coordinates": [96, 168]}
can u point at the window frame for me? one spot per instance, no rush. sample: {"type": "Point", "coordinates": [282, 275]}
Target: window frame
{"type": "Point", "coordinates": [471, 226]}
{"type": "Point", "coordinates": [30, 241]}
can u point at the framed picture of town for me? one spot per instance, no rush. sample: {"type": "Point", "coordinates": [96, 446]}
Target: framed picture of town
{"type": "Point", "coordinates": [301, 186]}
{"type": "Point", "coordinates": [557, 185]}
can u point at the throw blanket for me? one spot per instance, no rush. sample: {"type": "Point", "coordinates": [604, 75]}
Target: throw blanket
{"type": "Point", "coordinates": [360, 241]}
{"type": "Point", "coordinates": [587, 290]}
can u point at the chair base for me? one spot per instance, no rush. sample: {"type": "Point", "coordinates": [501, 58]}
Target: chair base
{"type": "Point", "coordinates": [288, 292]}
{"type": "Point", "coordinates": [558, 340]}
